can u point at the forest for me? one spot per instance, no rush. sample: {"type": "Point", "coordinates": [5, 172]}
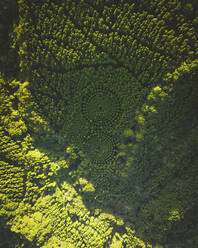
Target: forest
{"type": "Point", "coordinates": [98, 124]}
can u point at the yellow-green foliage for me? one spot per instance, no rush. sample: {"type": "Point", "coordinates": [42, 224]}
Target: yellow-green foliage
{"type": "Point", "coordinates": [56, 242]}
{"type": "Point", "coordinates": [18, 164]}
{"type": "Point", "coordinates": [132, 241]}
{"type": "Point", "coordinates": [64, 214]}
{"type": "Point", "coordinates": [101, 129]}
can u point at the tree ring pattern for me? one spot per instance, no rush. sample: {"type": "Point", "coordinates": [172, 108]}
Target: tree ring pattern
{"type": "Point", "coordinates": [101, 107]}
{"type": "Point", "coordinates": [100, 148]}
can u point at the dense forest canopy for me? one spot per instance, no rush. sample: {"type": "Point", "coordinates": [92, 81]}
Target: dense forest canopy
{"type": "Point", "coordinates": [98, 123]}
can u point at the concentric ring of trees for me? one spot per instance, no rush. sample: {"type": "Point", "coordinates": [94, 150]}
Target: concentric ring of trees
{"type": "Point", "coordinates": [100, 148]}
{"type": "Point", "coordinates": [101, 107]}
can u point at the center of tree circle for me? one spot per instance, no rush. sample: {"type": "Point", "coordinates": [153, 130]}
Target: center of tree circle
{"type": "Point", "coordinates": [101, 106]}
{"type": "Point", "coordinates": [100, 148]}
